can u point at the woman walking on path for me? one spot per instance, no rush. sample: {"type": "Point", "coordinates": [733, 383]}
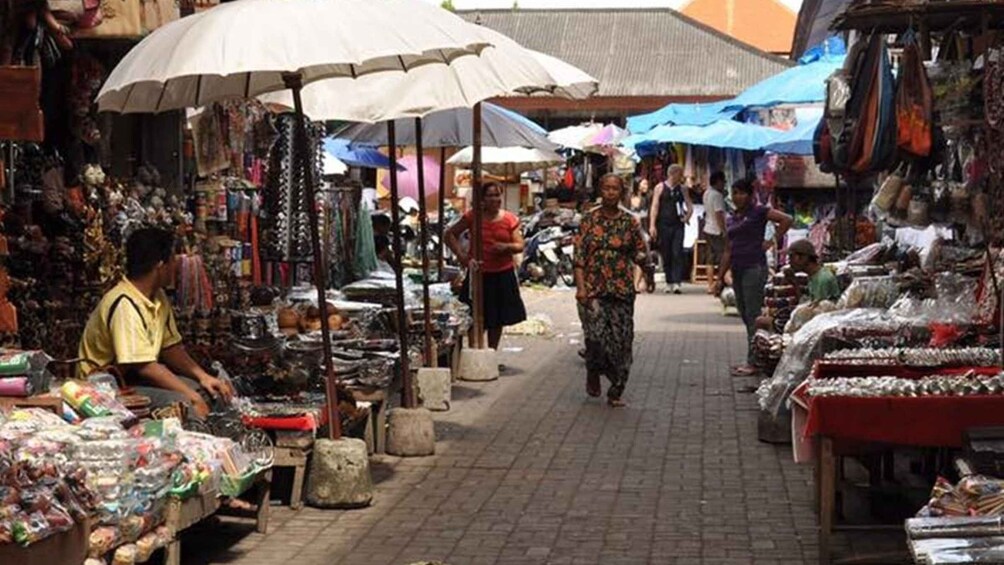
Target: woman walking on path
{"type": "Point", "coordinates": [610, 242]}
{"type": "Point", "coordinates": [501, 238]}
{"type": "Point", "coordinates": [745, 256]}
{"type": "Point", "coordinates": [667, 224]}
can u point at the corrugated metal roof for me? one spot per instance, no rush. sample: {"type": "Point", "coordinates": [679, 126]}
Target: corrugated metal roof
{"type": "Point", "coordinates": [638, 52]}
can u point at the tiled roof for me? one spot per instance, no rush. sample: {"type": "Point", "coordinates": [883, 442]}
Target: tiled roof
{"type": "Point", "coordinates": [639, 52]}
{"type": "Point", "coordinates": [765, 24]}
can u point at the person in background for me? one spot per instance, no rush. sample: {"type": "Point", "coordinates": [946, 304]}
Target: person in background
{"type": "Point", "coordinates": [133, 330]}
{"type": "Point", "coordinates": [382, 245]}
{"type": "Point", "coordinates": [822, 282]}
{"type": "Point", "coordinates": [744, 256]}
{"type": "Point", "coordinates": [610, 241]}
{"type": "Point", "coordinates": [714, 222]}
{"type": "Point", "coordinates": [501, 239]}
{"type": "Point", "coordinates": [381, 224]}
{"type": "Point", "coordinates": [667, 221]}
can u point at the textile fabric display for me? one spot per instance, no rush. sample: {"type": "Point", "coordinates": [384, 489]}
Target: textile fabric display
{"type": "Point", "coordinates": [286, 198]}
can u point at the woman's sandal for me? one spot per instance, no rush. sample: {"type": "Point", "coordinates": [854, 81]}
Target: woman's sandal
{"type": "Point", "coordinates": [616, 403]}
{"type": "Point", "coordinates": [593, 387]}
{"type": "Point", "coordinates": [743, 371]}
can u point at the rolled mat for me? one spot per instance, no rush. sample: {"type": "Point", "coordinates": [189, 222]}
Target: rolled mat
{"type": "Point", "coordinates": [16, 386]}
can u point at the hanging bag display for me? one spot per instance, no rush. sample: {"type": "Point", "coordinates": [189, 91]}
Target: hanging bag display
{"type": "Point", "coordinates": [914, 102]}
{"type": "Point", "coordinates": [886, 195]}
{"type": "Point", "coordinates": [873, 144]}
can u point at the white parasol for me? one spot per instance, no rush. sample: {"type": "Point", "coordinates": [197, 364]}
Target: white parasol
{"type": "Point", "coordinates": [243, 49]}
{"type": "Point", "coordinates": [508, 160]}
{"type": "Point", "coordinates": [504, 68]}
{"type": "Point", "coordinates": [574, 137]}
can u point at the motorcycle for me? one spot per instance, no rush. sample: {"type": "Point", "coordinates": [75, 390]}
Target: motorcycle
{"type": "Point", "coordinates": [547, 257]}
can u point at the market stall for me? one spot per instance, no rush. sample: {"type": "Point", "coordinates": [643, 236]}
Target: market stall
{"type": "Point", "coordinates": [904, 370]}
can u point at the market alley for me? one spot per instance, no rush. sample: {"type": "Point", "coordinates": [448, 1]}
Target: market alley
{"type": "Point", "coordinates": [527, 470]}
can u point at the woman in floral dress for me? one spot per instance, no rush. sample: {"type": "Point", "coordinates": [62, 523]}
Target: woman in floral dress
{"type": "Point", "coordinates": [610, 243]}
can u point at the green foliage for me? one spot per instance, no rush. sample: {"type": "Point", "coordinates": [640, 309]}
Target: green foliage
{"type": "Point", "coordinates": [447, 5]}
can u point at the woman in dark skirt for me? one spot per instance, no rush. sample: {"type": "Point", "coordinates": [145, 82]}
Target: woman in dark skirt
{"type": "Point", "coordinates": [610, 243]}
{"type": "Point", "coordinates": [501, 238]}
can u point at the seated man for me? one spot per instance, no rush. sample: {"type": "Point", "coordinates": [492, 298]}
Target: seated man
{"type": "Point", "coordinates": [822, 283]}
{"type": "Point", "coordinates": [133, 329]}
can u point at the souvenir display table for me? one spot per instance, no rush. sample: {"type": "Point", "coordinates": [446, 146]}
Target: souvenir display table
{"type": "Point", "coordinates": [855, 415]}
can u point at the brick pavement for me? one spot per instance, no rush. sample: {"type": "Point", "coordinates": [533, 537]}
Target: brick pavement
{"type": "Point", "coordinates": [528, 471]}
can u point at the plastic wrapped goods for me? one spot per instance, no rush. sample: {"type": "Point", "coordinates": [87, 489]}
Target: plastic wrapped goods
{"type": "Point", "coordinates": [797, 360]}
{"type": "Point", "coordinates": [870, 292]}
{"type": "Point", "coordinates": [804, 313]}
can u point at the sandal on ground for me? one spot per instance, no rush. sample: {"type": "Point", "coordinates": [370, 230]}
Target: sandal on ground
{"type": "Point", "coordinates": [743, 371]}
{"type": "Point", "coordinates": [616, 403]}
{"type": "Point", "coordinates": [593, 385]}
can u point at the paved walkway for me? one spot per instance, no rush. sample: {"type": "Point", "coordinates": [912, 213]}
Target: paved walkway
{"type": "Point", "coordinates": [529, 471]}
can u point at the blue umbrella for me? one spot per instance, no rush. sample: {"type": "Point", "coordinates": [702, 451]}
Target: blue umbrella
{"type": "Point", "coordinates": [363, 157]}
{"type": "Point", "coordinates": [682, 115]}
{"type": "Point", "coordinates": [726, 134]}
{"type": "Point", "coordinates": [798, 140]}
{"type": "Point", "coordinates": [803, 84]}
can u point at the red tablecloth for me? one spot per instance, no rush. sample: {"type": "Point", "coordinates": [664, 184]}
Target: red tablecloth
{"type": "Point", "coordinates": [927, 421]}
{"type": "Point", "coordinates": [303, 423]}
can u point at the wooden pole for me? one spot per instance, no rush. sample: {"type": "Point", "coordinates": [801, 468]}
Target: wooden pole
{"type": "Point", "coordinates": [440, 229]}
{"type": "Point", "coordinates": [407, 390]}
{"type": "Point", "coordinates": [423, 219]}
{"type": "Point", "coordinates": [477, 290]}
{"type": "Point", "coordinates": [295, 83]}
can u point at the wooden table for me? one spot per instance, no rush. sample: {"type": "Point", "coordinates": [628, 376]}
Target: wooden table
{"type": "Point", "coordinates": [65, 548]}
{"type": "Point", "coordinates": [293, 449]}
{"type": "Point", "coordinates": [183, 514]}
{"type": "Point", "coordinates": [46, 401]}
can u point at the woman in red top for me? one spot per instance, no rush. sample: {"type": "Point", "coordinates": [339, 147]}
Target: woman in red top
{"type": "Point", "coordinates": [501, 238]}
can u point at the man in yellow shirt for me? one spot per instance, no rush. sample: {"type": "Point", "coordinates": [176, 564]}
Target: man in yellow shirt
{"type": "Point", "coordinates": [133, 329]}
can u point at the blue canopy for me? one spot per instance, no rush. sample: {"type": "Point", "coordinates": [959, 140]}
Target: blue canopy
{"type": "Point", "coordinates": [682, 115]}
{"type": "Point", "coordinates": [363, 157]}
{"type": "Point", "coordinates": [803, 84]}
{"type": "Point", "coordinates": [726, 134]}
{"type": "Point", "coordinates": [798, 140]}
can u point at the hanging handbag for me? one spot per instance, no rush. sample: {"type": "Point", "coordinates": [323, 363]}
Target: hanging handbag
{"type": "Point", "coordinates": [92, 15]}
{"type": "Point", "coordinates": [873, 143]}
{"type": "Point", "coordinates": [119, 19]}
{"type": "Point", "coordinates": [157, 13]}
{"type": "Point", "coordinates": [20, 114]}
{"type": "Point", "coordinates": [914, 103]}
{"type": "Point", "coordinates": [66, 11]}
{"type": "Point", "coordinates": [888, 192]}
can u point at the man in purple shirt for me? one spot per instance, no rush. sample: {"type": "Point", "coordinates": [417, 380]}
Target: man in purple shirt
{"type": "Point", "coordinates": [745, 257]}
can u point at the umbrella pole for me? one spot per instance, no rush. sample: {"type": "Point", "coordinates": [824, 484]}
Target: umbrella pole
{"type": "Point", "coordinates": [477, 289]}
{"type": "Point", "coordinates": [442, 211]}
{"type": "Point", "coordinates": [407, 390]}
{"type": "Point", "coordinates": [295, 82]}
{"type": "Point", "coordinates": [423, 219]}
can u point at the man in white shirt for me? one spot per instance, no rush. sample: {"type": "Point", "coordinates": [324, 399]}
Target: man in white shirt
{"type": "Point", "coordinates": [714, 222]}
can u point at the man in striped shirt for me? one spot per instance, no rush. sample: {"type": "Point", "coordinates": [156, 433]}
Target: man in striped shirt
{"type": "Point", "coordinates": [133, 329]}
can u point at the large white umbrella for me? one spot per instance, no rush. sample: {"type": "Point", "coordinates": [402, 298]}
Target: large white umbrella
{"type": "Point", "coordinates": [503, 68]}
{"type": "Point", "coordinates": [245, 48]}
{"type": "Point", "coordinates": [572, 81]}
{"type": "Point", "coordinates": [508, 160]}
{"type": "Point", "coordinates": [574, 137]}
